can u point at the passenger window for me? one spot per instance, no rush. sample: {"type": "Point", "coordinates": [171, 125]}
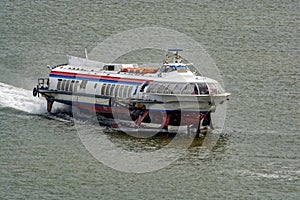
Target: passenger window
{"type": "Point", "coordinates": [116, 92]}
{"type": "Point", "coordinates": [83, 84]}
{"type": "Point", "coordinates": [67, 85]}
{"type": "Point", "coordinates": [58, 84]}
{"type": "Point", "coordinates": [212, 88]}
{"type": "Point", "coordinates": [125, 95]}
{"type": "Point", "coordinates": [111, 93]}
{"type": "Point", "coordinates": [107, 91]}
{"type": "Point", "coordinates": [150, 88]}
{"type": "Point", "coordinates": [130, 91]}
{"type": "Point", "coordinates": [103, 88]}
{"type": "Point", "coordinates": [161, 88]}
{"type": "Point", "coordinates": [155, 88]}
{"type": "Point", "coordinates": [76, 86]}
{"type": "Point", "coordinates": [189, 89]}
{"type": "Point", "coordinates": [203, 88]}
{"type": "Point", "coordinates": [167, 89]}
{"type": "Point", "coordinates": [177, 89]}
{"type": "Point", "coordinates": [120, 92]}
{"type": "Point", "coordinates": [63, 85]}
{"type": "Point", "coordinates": [71, 86]}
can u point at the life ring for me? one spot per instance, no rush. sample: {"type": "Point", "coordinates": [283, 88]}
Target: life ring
{"type": "Point", "coordinates": [34, 92]}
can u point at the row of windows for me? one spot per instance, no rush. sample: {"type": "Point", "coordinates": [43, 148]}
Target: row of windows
{"type": "Point", "coordinates": [178, 88]}
{"type": "Point", "coordinates": [67, 85]}
{"type": "Point", "coordinates": [115, 90]}
{"type": "Point", "coordinates": [125, 91]}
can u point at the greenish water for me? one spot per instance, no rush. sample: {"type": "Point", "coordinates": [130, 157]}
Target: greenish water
{"type": "Point", "coordinates": [256, 48]}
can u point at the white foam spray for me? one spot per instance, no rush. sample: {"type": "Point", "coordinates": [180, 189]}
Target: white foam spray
{"type": "Point", "coordinates": [21, 99]}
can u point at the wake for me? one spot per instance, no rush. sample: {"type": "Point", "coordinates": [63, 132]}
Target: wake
{"type": "Point", "coordinates": [21, 99]}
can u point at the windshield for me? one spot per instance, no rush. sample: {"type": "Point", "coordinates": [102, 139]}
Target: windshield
{"type": "Point", "coordinates": [170, 68]}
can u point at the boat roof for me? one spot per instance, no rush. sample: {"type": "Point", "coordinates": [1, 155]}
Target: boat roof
{"type": "Point", "coordinates": [174, 71]}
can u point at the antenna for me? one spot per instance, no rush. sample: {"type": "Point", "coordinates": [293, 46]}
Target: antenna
{"type": "Point", "coordinates": [86, 56]}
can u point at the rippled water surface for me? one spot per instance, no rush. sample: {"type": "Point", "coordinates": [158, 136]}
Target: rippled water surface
{"type": "Point", "coordinates": [255, 45]}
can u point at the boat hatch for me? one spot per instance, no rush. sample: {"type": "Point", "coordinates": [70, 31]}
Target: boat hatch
{"type": "Point", "coordinates": [109, 67]}
{"type": "Point", "coordinates": [112, 67]}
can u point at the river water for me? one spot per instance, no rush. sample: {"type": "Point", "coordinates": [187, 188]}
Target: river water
{"type": "Point", "coordinates": [255, 45]}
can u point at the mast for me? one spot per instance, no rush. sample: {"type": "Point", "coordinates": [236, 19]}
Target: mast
{"type": "Point", "coordinates": [173, 52]}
